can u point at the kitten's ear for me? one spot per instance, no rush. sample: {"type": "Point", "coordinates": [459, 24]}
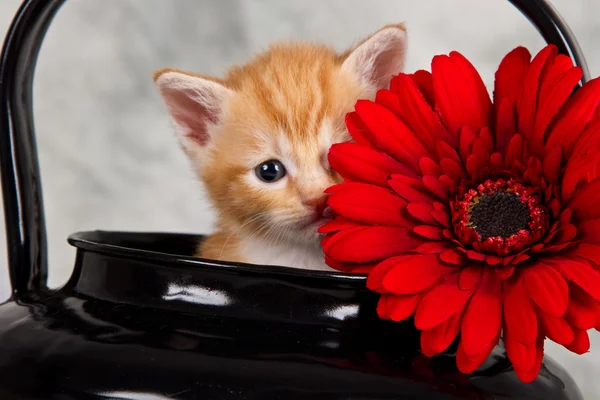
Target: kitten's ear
{"type": "Point", "coordinates": [377, 58]}
{"type": "Point", "coordinates": [196, 105]}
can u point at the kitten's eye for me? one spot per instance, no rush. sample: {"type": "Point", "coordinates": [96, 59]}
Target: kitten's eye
{"type": "Point", "coordinates": [270, 171]}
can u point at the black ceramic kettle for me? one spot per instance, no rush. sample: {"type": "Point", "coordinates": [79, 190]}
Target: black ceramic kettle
{"type": "Point", "coordinates": [140, 318]}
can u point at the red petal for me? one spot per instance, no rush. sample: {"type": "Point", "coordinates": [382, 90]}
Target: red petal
{"type": "Point", "coordinates": [581, 344]}
{"type": "Point", "coordinates": [454, 257]}
{"type": "Point", "coordinates": [574, 117]}
{"type": "Point", "coordinates": [370, 244]}
{"type": "Point", "coordinates": [585, 202]}
{"type": "Point", "coordinates": [432, 247]}
{"type": "Point", "coordinates": [506, 125]}
{"type": "Point", "coordinates": [467, 363]}
{"type": "Point", "coordinates": [554, 207]}
{"type": "Point", "coordinates": [466, 139]}
{"type": "Point", "coordinates": [415, 274]}
{"type": "Point", "coordinates": [438, 339]}
{"type": "Point", "coordinates": [521, 355]}
{"type": "Point", "coordinates": [358, 163]}
{"type": "Point", "coordinates": [349, 267]}
{"type": "Point", "coordinates": [510, 75]}
{"type": "Point", "coordinates": [551, 98]}
{"type": "Point", "coordinates": [589, 231]}
{"type": "Point", "coordinates": [429, 232]}
{"type": "Point", "coordinates": [483, 317]}
{"type": "Point", "coordinates": [389, 100]}
{"type": "Point", "coordinates": [520, 258]}
{"type": "Point", "coordinates": [508, 259]}
{"type": "Point", "coordinates": [589, 139]}
{"type": "Point", "coordinates": [565, 234]}
{"type": "Point", "coordinates": [487, 138]}
{"type": "Point", "coordinates": [496, 162]}
{"type": "Point", "coordinates": [363, 268]}
{"type": "Point", "coordinates": [534, 171]}
{"type": "Point", "coordinates": [493, 260]}
{"type": "Point", "coordinates": [547, 288]}
{"type": "Point", "coordinates": [557, 329]}
{"type": "Point", "coordinates": [418, 113]}
{"type": "Point", "coordinates": [444, 150]}
{"type": "Point", "coordinates": [375, 278]}
{"type": "Point", "coordinates": [447, 180]}
{"type": "Point", "coordinates": [579, 272]}
{"type": "Point", "coordinates": [588, 251]}
{"type": "Point", "coordinates": [519, 314]}
{"type": "Point", "coordinates": [528, 102]}
{"type": "Point", "coordinates": [422, 212]}
{"type": "Point", "coordinates": [552, 165]}
{"type": "Point", "coordinates": [338, 224]}
{"type": "Point", "coordinates": [359, 131]}
{"type": "Point", "coordinates": [582, 309]}
{"type": "Point", "coordinates": [561, 64]}
{"type": "Point", "coordinates": [397, 308]}
{"type": "Point", "coordinates": [474, 81]}
{"type": "Point", "coordinates": [369, 204]}
{"type": "Point", "coordinates": [479, 160]}
{"type": "Point", "coordinates": [453, 169]}
{"type": "Point", "coordinates": [581, 171]}
{"type": "Point", "coordinates": [528, 375]}
{"type": "Point", "coordinates": [424, 82]}
{"type": "Point", "coordinates": [429, 167]}
{"type": "Point", "coordinates": [427, 346]}
{"type": "Point", "coordinates": [441, 218]}
{"type": "Point", "coordinates": [443, 301]}
{"type": "Point", "coordinates": [474, 255]}
{"type": "Point", "coordinates": [469, 277]}
{"type": "Point", "coordinates": [456, 97]}
{"type": "Point", "coordinates": [438, 188]}
{"type": "Point", "coordinates": [514, 151]}
{"type": "Point", "coordinates": [411, 189]}
{"type": "Point", "coordinates": [335, 188]}
{"type": "Point", "coordinates": [480, 150]}
{"type": "Point", "coordinates": [391, 134]}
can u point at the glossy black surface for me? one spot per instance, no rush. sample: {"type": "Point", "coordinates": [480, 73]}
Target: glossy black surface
{"type": "Point", "coordinates": [141, 316]}
{"type": "Point", "coordinates": [142, 319]}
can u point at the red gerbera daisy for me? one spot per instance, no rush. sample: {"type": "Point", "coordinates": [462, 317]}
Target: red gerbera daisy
{"type": "Point", "coordinates": [478, 218]}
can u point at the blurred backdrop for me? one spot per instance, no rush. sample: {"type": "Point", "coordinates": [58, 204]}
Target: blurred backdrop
{"type": "Point", "coordinates": [108, 157]}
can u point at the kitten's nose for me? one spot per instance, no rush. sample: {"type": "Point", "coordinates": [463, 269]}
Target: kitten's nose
{"type": "Point", "coordinates": [318, 203]}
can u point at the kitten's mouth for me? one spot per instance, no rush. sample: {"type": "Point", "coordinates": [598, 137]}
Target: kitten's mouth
{"type": "Point", "coordinates": [317, 219]}
{"type": "Point", "coordinates": [315, 222]}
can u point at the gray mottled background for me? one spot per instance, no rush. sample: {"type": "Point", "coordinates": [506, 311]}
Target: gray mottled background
{"type": "Point", "coordinates": [108, 157]}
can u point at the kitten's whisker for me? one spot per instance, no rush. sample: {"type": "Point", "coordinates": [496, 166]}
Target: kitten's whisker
{"type": "Point", "coordinates": [238, 229]}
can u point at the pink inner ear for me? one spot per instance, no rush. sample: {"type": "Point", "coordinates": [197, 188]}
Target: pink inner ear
{"type": "Point", "coordinates": [379, 58]}
{"type": "Point", "coordinates": [386, 64]}
{"type": "Point", "coordinates": [192, 116]}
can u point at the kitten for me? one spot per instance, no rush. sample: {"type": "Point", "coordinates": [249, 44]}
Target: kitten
{"type": "Point", "coordinates": [259, 140]}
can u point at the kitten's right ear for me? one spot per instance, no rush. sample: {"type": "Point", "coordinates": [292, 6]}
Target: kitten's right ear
{"type": "Point", "coordinates": [379, 57]}
{"type": "Point", "coordinates": [196, 105]}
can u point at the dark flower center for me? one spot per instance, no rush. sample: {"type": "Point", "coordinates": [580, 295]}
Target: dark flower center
{"type": "Point", "coordinates": [500, 214]}
{"type": "Point", "coordinates": [499, 217]}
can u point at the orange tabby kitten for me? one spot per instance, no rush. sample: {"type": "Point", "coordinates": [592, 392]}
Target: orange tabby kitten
{"type": "Point", "coordinates": [259, 140]}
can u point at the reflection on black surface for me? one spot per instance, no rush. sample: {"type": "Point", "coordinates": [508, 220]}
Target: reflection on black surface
{"type": "Point", "coordinates": [196, 295]}
{"type": "Point", "coordinates": [122, 395]}
{"type": "Point", "coordinates": [88, 348]}
{"type": "Point", "coordinates": [343, 312]}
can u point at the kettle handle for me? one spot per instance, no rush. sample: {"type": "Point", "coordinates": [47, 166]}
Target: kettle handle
{"type": "Point", "coordinates": [19, 166]}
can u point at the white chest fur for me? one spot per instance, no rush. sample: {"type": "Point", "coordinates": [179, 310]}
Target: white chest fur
{"type": "Point", "coordinates": [257, 251]}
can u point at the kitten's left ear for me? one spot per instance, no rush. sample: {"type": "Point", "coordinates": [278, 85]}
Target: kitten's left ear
{"type": "Point", "coordinates": [379, 57]}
